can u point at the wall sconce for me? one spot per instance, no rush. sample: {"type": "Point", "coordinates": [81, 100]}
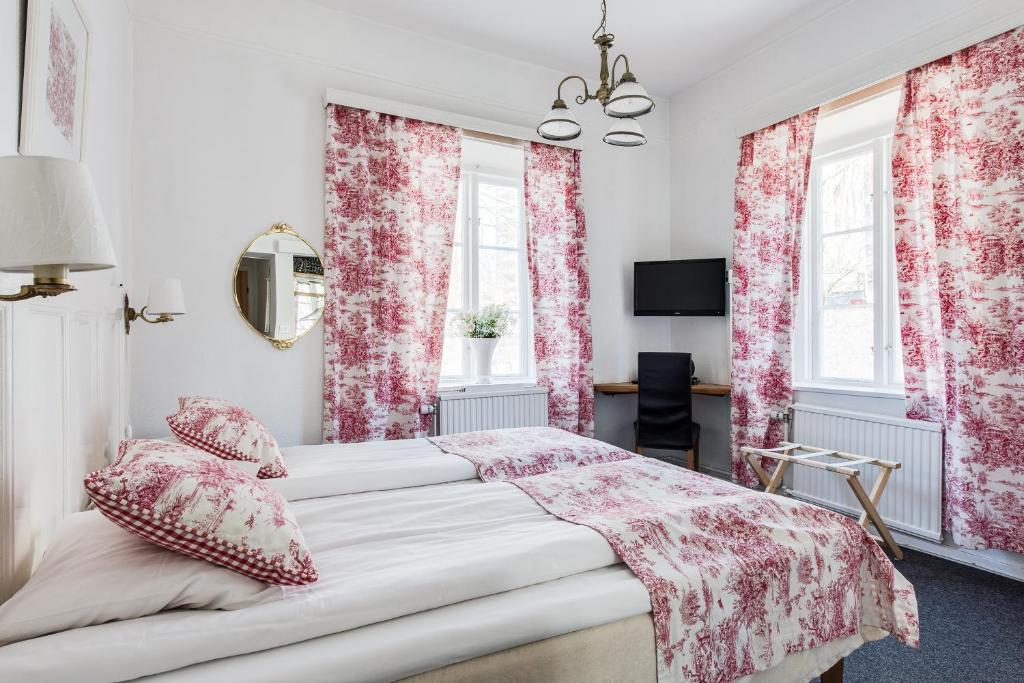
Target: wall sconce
{"type": "Point", "coordinates": [166, 300]}
{"type": "Point", "coordinates": [50, 224]}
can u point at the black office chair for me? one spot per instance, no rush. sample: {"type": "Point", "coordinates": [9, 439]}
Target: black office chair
{"type": "Point", "coordinates": [665, 406]}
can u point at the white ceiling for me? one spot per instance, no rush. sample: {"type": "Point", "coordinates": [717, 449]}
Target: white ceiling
{"type": "Point", "coordinates": [671, 43]}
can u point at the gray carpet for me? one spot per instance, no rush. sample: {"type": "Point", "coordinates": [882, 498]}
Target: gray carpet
{"type": "Point", "coordinates": [972, 629]}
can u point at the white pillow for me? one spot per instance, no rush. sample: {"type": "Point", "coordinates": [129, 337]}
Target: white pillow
{"type": "Point", "coordinates": [95, 572]}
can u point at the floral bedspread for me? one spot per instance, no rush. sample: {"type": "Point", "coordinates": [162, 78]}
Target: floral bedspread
{"type": "Point", "coordinates": [503, 454]}
{"type": "Point", "coordinates": [738, 579]}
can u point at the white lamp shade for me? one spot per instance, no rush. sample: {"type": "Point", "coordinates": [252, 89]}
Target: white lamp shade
{"type": "Point", "coordinates": [559, 124]}
{"type": "Point", "coordinates": [166, 297]}
{"type": "Point", "coordinates": [628, 100]}
{"type": "Point", "coordinates": [50, 216]}
{"type": "Point", "coordinates": [625, 133]}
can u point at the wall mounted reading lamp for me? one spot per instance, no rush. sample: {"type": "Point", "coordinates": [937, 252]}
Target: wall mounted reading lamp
{"type": "Point", "coordinates": [50, 224]}
{"type": "Point", "coordinates": [166, 300]}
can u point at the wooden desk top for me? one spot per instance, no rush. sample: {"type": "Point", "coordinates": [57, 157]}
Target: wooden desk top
{"type": "Point", "coordinates": [612, 388]}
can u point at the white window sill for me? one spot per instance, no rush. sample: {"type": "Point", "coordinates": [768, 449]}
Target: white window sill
{"type": "Point", "coordinates": [850, 390]}
{"type": "Point", "coordinates": [498, 383]}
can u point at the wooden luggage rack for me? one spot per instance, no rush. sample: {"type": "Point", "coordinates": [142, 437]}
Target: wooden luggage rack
{"type": "Point", "coordinates": [806, 455]}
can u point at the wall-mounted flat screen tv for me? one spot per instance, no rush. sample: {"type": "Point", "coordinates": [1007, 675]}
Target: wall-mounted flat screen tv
{"type": "Point", "coordinates": [691, 287]}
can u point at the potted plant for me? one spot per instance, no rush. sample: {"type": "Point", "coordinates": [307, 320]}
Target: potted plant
{"type": "Point", "coordinates": [483, 329]}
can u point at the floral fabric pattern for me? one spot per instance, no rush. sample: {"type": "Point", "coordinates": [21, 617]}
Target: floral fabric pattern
{"type": "Point", "coordinates": [391, 198]}
{"type": "Point", "coordinates": [958, 178]}
{"type": "Point", "coordinates": [61, 77]}
{"type": "Point", "coordinates": [771, 191]}
{"type": "Point", "coordinates": [227, 431]}
{"type": "Point", "coordinates": [738, 579]}
{"type": "Point", "coordinates": [556, 252]}
{"type": "Point", "coordinates": [503, 454]}
{"type": "Point", "coordinates": [195, 503]}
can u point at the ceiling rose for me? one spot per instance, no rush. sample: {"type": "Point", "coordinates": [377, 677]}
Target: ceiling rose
{"type": "Point", "coordinates": [622, 98]}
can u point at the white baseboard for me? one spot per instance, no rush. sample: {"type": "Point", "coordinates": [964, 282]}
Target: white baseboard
{"type": "Point", "coordinates": [716, 473]}
{"type": "Point", "coordinates": [1010, 565]}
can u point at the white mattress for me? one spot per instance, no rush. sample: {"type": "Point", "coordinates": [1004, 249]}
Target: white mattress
{"type": "Point", "coordinates": [339, 469]}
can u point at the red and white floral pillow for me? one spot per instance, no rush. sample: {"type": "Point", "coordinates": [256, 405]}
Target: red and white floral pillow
{"type": "Point", "coordinates": [194, 503]}
{"type": "Point", "coordinates": [227, 431]}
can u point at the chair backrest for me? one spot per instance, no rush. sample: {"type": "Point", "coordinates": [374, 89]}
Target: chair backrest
{"type": "Point", "coordinates": [664, 402]}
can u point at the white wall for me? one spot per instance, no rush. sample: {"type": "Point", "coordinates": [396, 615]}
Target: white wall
{"type": "Point", "coordinates": [857, 43]}
{"type": "Point", "coordinates": [63, 398]}
{"type": "Point", "coordinates": [229, 139]}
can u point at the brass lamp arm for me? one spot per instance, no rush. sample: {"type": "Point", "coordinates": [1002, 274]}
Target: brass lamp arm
{"type": "Point", "coordinates": [580, 99]}
{"type": "Point", "coordinates": [623, 57]}
{"type": "Point", "coordinates": [141, 315]}
{"type": "Point", "coordinates": [38, 289]}
{"type": "Point", "coordinates": [131, 315]}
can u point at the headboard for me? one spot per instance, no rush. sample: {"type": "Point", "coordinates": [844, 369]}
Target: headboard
{"type": "Point", "coordinates": [63, 407]}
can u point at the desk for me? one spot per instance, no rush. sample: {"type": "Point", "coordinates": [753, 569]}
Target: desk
{"type": "Point", "coordinates": [614, 388]}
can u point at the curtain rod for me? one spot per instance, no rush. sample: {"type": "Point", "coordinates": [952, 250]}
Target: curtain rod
{"type": "Point", "coordinates": [491, 137]}
{"type": "Point", "coordinates": [466, 123]}
{"type": "Point", "coordinates": [862, 95]}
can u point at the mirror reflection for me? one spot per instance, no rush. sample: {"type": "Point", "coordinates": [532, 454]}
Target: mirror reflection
{"type": "Point", "coordinates": [279, 285]}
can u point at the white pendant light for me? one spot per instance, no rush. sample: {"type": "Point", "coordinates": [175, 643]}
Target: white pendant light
{"type": "Point", "coordinates": [559, 124]}
{"type": "Point", "coordinates": [625, 133]}
{"type": "Point", "coordinates": [629, 99]}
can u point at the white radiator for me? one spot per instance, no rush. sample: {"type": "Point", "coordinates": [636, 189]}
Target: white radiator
{"type": "Point", "coordinates": [498, 408]}
{"type": "Point", "coordinates": [912, 501]}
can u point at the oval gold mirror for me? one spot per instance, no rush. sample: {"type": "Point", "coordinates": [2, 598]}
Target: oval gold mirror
{"type": "Point", "coordinates": [279, 285]}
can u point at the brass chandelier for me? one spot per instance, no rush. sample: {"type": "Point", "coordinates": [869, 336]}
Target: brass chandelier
{"type": "Point", "coordinates": [623, 99]}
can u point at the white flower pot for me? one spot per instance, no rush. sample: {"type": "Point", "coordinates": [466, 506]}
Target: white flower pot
{"type": "Point", "coordinates": [483, 352]}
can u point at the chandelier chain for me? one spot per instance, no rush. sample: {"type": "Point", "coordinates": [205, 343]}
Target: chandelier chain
{"type": "Point", "coordinates": [602, 28]}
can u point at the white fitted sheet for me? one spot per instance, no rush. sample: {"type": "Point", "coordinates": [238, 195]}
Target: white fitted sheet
{"type": "Point", "coordinates": [436, 638]}
{"type": "Point", "coordinates": [339, 469]}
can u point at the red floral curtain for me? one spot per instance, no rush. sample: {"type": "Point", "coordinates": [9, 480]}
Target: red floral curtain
{"type": "Point", "coordinates": [771, 190]}
{"type": "Point", "coordinates": [958, 171]}
{"type": "Point", "coordinates": [391, 199]}
{"type": "Point", "coordinates": [560, 284]}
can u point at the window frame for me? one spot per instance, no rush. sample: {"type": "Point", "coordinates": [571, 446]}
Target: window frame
{"type": "Point", "coordinates": [887, 370]}
{"type": "Point", "coordinates": [467, 235]}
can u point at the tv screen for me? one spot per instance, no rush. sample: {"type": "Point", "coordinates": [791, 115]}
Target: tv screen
{"type": "Point", "coordinates": [692, 287]}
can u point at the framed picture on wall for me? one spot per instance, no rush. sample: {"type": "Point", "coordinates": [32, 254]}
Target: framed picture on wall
{"type": "Point", "coordinates": [53, 89]}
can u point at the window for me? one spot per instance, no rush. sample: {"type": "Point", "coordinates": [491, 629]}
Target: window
{"type": "Point", "coordinates": [848, 318]}
{"type": "Point", "coordinates": [489, 260]}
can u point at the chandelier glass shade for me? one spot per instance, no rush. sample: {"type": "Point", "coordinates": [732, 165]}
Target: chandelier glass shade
{"type": "Point", "coordinates": [560, 124]}
{"type": "Point", "coordinates": [628, 100]}
{"type": "Point", "coordinates": [622, 98]}
{"type": "Point", "coordinates": [625, 133]}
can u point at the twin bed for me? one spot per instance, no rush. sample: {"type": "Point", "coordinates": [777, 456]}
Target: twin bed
{"type": "Point", "coordinates": [429, 573]}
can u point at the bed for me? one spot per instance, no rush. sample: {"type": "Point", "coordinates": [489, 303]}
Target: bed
{"type": "Point", "coordinates": [426, 573]}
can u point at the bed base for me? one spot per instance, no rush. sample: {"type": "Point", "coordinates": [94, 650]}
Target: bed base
{"type": "Point", "coordinates": [622, 651]}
